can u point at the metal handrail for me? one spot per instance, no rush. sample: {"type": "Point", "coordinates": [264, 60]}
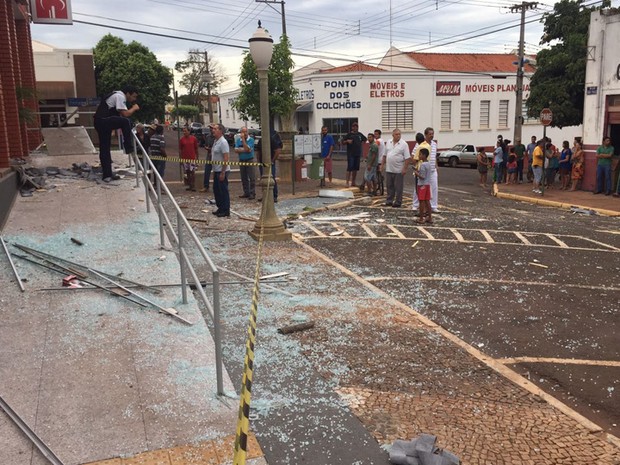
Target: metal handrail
{"type": "Point", "coordinates": [179, 238]}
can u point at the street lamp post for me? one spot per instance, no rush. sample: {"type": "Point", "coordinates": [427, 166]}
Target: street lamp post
{"type": "Point", "coordinates": [268, 225]}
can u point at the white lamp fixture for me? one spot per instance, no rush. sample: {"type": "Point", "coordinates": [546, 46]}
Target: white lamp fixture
{"type": "Point", "coordinates": [261, 48]}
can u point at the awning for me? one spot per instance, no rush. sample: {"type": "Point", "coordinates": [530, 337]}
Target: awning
{"type": "Point", "coordinates": [305, 107]}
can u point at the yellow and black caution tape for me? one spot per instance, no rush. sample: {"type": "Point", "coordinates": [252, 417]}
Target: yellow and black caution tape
{"type": "Point", "coordinates": [209, 162]}
{"type": "Point", "coordinates": [243, 422]}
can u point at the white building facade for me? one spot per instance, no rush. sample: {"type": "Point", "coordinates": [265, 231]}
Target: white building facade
{"type": "Point", "coordinates": [466, 98]}
{"type": "Point", "coordinates": [601, 112]}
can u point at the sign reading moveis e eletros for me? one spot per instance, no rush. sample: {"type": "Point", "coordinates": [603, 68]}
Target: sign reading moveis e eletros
{"type": "Point", "coordinates": [448, 88]}
{"type": "Point", "coordinates": [51, 11]}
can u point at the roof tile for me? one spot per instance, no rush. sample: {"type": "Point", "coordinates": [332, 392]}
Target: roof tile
{"type": "Point", "coordinates": [469, 62]}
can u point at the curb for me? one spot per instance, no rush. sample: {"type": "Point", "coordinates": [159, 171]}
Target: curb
{"type": "Point", "coordinates": [552, 203]}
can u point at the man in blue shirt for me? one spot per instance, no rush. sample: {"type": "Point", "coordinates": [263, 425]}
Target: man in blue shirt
{"type": "Point", "coordinates": [327, 147]}
{"type": "Point", "coordinates": [244, 146]}
{"type": "Point", "coordinates": [530, 153]}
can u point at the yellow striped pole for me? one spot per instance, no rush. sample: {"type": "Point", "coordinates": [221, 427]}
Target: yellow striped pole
{"type": "Point", "coordinates": [243, 421]}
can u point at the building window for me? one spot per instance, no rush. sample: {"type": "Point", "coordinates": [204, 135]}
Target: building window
{"type": "Point", "coordinates": [446, 114]}
{"type": "Point", "coordinates": [466, 114]}
{"type": "Point", "coordinates": [227, 113]}
{"type": "Point", "coordinates": [397, 114]}
{"type": "Point", "coordinates": [234, 117]}
{"type": "Point", "coordinates": [485, 114]}
{"type": "Point", "coordinates": [503, 114]}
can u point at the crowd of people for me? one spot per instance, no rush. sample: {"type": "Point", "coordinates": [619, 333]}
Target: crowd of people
{"type": "Point", "coordinates": [548, 167]}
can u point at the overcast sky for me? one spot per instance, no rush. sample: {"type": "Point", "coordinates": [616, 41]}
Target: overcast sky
{"type": "Point", "coordinates": [337, 31]}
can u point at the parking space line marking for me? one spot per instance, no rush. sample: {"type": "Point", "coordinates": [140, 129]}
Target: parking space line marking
{"type": "Point", "coordinates": [318, 232]}
{"type": "Point", "coordinates": [487, 236]}
{"type": "Point", "coordinates": [341, 228]}
{"type": "Point", "coordinates": [425, 232]}
{"type": "Point", "coordinates": [562, 361]}
{"type": "Point", "coordinates": [458, 235]}
{"type": "Point", "coordinates": [511, 282]}
{"type": "Point", "coordinates": [368, 231]}
{"type": "Point", "coordinates": [616, 249]}
{"type": "Point", "coordinates": [396, 231]}
{"type": "Point", "coordinates": [522, 238]}
{"type": "Point", "coordinates": [557, 241]}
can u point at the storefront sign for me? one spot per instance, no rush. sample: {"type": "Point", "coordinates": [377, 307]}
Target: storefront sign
{"type": "Point", "coordinates": [51, 11]}
{"type": "Point", "coordinates": [307, 94]}
{"type": "Point", "coordinates": [339, 99]}
{"type": "Point", "coordinates": [387, 89]}
{"type": "Point", "coordinates": [487, 88]}
{"type": "Point", "coordinates": [443, 88]}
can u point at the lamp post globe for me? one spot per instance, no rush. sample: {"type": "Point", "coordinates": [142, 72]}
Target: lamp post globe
{"type": "Point", "coordinates": [261, 48]}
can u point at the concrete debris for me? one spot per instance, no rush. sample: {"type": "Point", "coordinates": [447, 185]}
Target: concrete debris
{"type": "Point", "coordinates": [421, 451]}
{"type": "Point", "coordinates": [296, 327]}
{"type": "Point", "coordinates": [335, 194]}
{"type": "Point", "coordinates": [582, 211]}
{"type": "Point", "coordinates": [356, 217]}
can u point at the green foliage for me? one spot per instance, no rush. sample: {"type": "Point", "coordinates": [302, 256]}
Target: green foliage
{"type": "Point", "coordinates": [118, 64]}
{"type": "Point", "coordinates": [194, 69]}
{"type": "Point", "coordinates": [559, 80]}
{"type": "Point", "coordinates": [281, 90]}
{"type": "Point", "coordinates": [186, 112]}
{"type": "Point", "coordinates": [24, 95]}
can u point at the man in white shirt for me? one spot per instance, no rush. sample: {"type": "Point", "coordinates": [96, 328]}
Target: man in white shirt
{"type": "Point", "coordinates": [112, 113]}
{"type": "Point", "coordinates": [396, 152]}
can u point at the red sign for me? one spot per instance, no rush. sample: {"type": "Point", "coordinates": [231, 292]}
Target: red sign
{"type": "Point", "coordinates": [546, 116]}
{"type": "Point", "coordinates": [448, 88]}
{"type": "Point", "coordinates": [51, 11]}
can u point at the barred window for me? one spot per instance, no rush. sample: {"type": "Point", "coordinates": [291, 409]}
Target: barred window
{"type": "Point", "coordinates": [446, 114]}
{"type": "Point", "coordinates": [466, 114]}
{"type": "Point", "coordinates": [503, 114]}
{"type": "Point", "coordinates": [397, 114]}
{"type": "Point", "coordinates": [485, 114]}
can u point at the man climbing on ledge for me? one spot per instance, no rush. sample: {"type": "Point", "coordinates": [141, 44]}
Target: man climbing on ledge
{"type": "Point", "coordinates": [112, 113]}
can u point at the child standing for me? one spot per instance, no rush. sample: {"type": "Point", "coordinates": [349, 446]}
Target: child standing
{"type": "Point", "coordinates": [483, 166]}
{"type": "Point", "coordinates": [512, 168]}
{"type": "Point", "coordinates": [424, 187]}
{"type": "Point", "coordinates": [370, 175]}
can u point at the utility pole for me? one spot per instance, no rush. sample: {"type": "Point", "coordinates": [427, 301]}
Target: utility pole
{"type": "Point", "coordinates": [523, 7]}
{"type": "Point", "coordinates": [208, 78]}
{"type": "Point", "coordinates": [281, 2]}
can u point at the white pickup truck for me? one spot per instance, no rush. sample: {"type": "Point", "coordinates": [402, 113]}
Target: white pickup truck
{"type": "Point", "coordinates": [460, 154]}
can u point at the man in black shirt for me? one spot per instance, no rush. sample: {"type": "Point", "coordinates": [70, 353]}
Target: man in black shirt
{"type": "Point", "coordinates": [354, 140]}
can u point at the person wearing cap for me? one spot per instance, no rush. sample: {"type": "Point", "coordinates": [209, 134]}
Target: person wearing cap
{"type": "Point", "coordinates": [353, 141]}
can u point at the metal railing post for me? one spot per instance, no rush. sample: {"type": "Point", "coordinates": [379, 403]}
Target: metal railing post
{"type": "Point", "coordinates": [181, 257]}
{"type": "Point", "coordinates": [159, 212]}
{"type": "Point", "coordinates": [217, 338]}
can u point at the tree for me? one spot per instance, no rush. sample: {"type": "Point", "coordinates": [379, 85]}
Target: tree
{"type": "Point", "coordinates": [282, 93]}
{"type": "Point", "coordinates": [118, 64]}
{"type": "Point", "coordinates": [559, 80]}
{"type": "Point", "coordinates": [194, 69]}
{"type": "Point", "coordinates": [186, 112]}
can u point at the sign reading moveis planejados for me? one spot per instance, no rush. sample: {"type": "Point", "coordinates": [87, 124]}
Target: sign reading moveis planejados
{"type": "Point", "coordinates": [446, 88]}
{"type": "Point", "coordinates": [51, 11]}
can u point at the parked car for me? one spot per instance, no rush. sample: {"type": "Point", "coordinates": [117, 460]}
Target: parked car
{"type": "Point", "coordinates": [460, 154]}
{"type": "Point", "coordinates": [229, 135]}
{"type": "Point", "coordinates": [195, 128]}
